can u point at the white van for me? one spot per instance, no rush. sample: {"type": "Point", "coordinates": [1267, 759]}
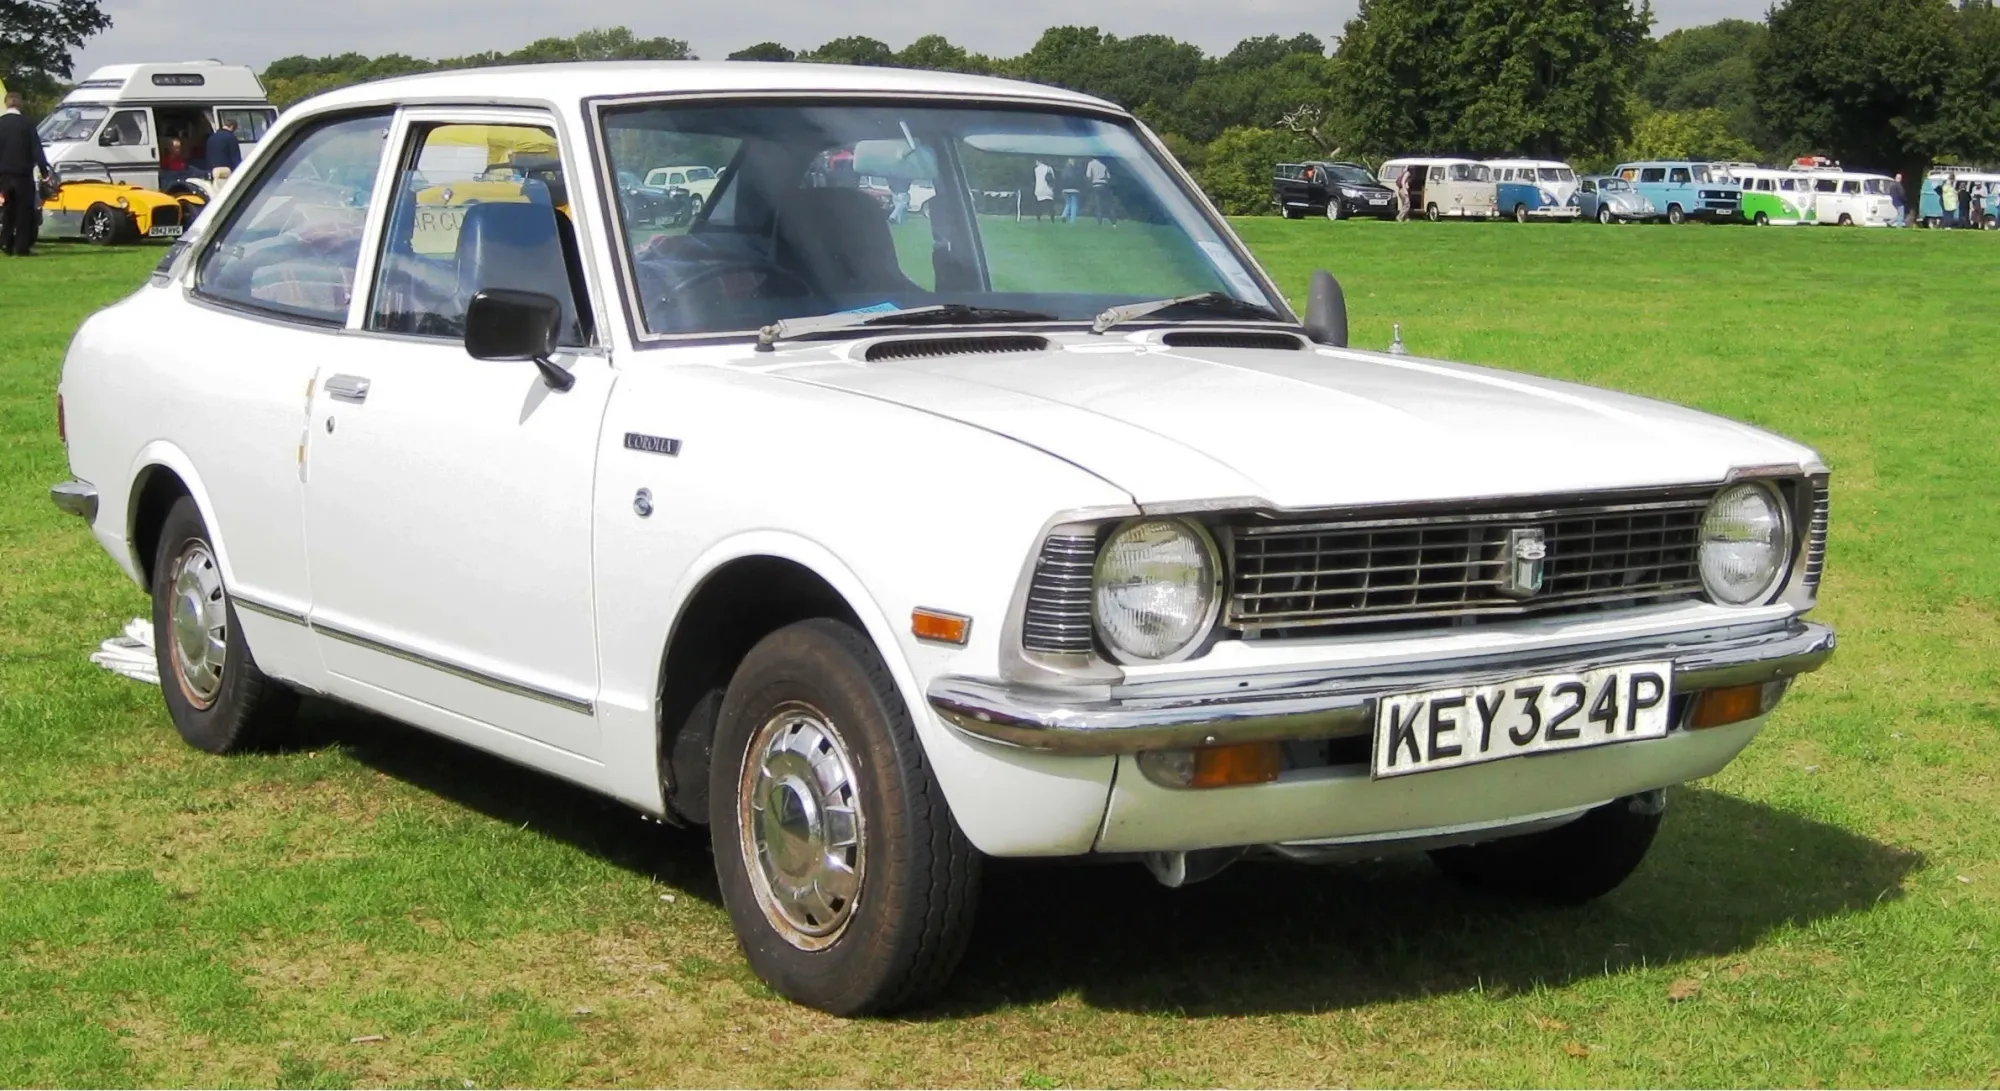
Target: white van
{"type": "Point", "coordinates": [123, 115]}
{"type": "Point", "coordinates": [1445, 186]}
{"type": "Point", "coordinates": [1549, 182]}
{"type": "Point", "coordinates": [1852, 198]}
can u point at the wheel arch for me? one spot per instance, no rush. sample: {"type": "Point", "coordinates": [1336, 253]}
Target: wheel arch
{"type": "Point", "coordinates": [162, 474]}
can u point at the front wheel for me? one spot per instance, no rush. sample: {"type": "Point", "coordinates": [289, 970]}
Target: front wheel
{"type": "Point", "coordinates": [1675, 216]}
{"type": "Point", "coordinates": [1569, 865]}
{"type": "Point", "coordinates": [1763, 220]}
{"type": "Point", "coordinates": [1520, 214]}
{"type": "Point", "coordinates": [1431, 213]}
{"type": "Point", "coordinates": [850, 886]}
{"type": "Point", "coordinates": [1604, 215]}
{"type": "Point", "coordinates": [1846, 220]}
{"type": "Point", "coordinates": [1335, 210]}
{"type": "Point", "coordinates": [100, 225]}
{"type": "Point", "coordinates": [218, 699]}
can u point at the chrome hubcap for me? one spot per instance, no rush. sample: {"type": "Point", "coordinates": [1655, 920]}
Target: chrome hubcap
{"type": "Point", "coordinates": [800, 817]}
{"type": "Point", "coordinates": [198, 613]}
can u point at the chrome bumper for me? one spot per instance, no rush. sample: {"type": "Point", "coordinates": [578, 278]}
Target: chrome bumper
{"type": "Point", "coordinates": [1325, 704]}
{"type": "Point", "coordinates": [77, 498]}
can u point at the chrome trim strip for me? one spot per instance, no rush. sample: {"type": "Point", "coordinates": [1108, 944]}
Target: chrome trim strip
{"type": "Point", "coordinates": [1334, 704]}
{"type": "Point", "coordinates": [563, 701]}
{"type": "Point", "coordinates": [78, 498]}
{"type": "Point", "coordinates": [268, 610]}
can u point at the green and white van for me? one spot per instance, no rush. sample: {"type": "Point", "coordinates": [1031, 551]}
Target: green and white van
{"type": "Point", "coordinates": [1775, 197]}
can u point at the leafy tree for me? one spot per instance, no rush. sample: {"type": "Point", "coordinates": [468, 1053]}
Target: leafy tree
{"type": "Point", "coordinates": [1708, 67]}
{"type": "Point", "coordinates": [1488, 77]}
{"type": "Point", "coordinates": [289, 79]}
{"type": "Point", "coordinates": [853, 50]}
{"type": "Point", "coordinates": [1256, 84]}
{"type": "Point", "coordinates": [612, 44]}
{"type": "Point", "coordinates": [1147, 73]}
{"type": "Point", "coordinates": [1236, 168]}
{"type": "Point", "coordinates": [38, 37]}
{"type": "Point", "coordinates": [764, 51]}
{"type": "Point", "coordinates": [1969, 130]}
{"type": "Point", "coordinates": [935, 53]}
{"type": "Point", "coordinates": [1685, 134]}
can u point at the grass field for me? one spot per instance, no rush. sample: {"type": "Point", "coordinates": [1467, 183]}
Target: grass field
{"type": "Point", "coordinates": [1825, 911]}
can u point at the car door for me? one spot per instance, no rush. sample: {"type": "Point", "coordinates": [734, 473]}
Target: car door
{"type": "Point", "coordinates": [448, 498]}
{"type": "Point", "coordinates": [1586, 199]}
{"type": "Point", "coordinates": [272, 286]}
{"type": "Point", "coordinates": [127, 149]}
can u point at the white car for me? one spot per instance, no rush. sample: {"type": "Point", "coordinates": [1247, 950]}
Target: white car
{"type": "Point", "coordinates": [880, 561]}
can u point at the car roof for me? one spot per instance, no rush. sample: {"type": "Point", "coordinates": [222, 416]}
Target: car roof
{"type": "Point", "coordinates": [575, 81]}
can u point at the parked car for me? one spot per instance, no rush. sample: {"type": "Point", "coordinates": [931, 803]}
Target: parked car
{"type": "Point", "coordinates": [1446, 188]}
{"type": "Point", "coordinates": [636, 509]}
{"type": "Point", "coordinates": [86, 204]}
{"type": "Point", "coordinates": [1775, 197]}
{"type": "Point", "coordinates": [1686, 190]}
{"type": "Point", "coordinates": [644, 204]}
{"type": "Point", "coordinates": [1609, 199]}
{"type": "Point", "coordinates": [1537, 189]}
{"type": "Point", "coordinates": [698, 181]}
{"type": "Point", "coordinates": [1334, 190]}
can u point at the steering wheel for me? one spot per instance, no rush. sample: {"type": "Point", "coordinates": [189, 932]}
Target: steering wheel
{"type": "Point", "coordinates": [686, 299]}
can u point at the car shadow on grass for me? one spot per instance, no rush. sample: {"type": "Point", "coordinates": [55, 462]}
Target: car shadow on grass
{"type": "Point", "coordinates": [1261, 937]}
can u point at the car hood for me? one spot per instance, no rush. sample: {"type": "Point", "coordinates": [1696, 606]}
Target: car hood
{"type": "Point", "coordinates": [1302, 429]}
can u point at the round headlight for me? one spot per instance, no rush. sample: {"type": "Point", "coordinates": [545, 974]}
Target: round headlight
{"type": "Point", "coordinates": [1154, 591]}
{"type": "Point", "coordinates": [123, 203]}
{"type": "Point", "coordinates": [1743, 544]}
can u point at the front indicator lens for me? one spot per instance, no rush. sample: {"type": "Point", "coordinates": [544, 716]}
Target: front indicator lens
{"type": "Point", "coordinates": [1214, 766]}
{"type": "Point", "coordinates": [1154, 589]}
{"type": "Point", "coordinates": [1743, 544]}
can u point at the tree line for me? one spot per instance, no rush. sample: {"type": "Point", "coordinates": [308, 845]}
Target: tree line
{"type": "Point", "coordinates": [1893, 85]}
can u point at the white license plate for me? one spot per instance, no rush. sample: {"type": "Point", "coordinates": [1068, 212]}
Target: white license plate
{"type": "Point", "coordinates": [1466, 725]}
{"type": "Point", "coordinates": [164, 232]}
{"type": "Point", "coordinates": [1378, 200]}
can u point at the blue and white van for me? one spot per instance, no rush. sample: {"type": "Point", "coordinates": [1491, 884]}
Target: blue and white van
{"type": "Point", "coordinates": [1687, 190]}
{"type": "Point", "coordinates": [1538, 189]}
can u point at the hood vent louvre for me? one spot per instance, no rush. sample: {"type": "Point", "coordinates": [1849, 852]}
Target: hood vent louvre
{"type": "Point", "coordinates": [1232, 339]}
{"type": "Point", "coordinates": [922, 347]}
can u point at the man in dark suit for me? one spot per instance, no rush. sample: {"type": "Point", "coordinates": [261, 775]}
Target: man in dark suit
{"type": "Point", "coordinates": [20, 156]}
{"type": "Point", "coordinates": [225, 154]}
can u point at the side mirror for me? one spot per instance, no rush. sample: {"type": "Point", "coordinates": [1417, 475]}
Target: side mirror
{"type": "Point", "coordinates": [1326, 310]}
{"type": "Point", "coordinates": [110, 139]}
{"type": "Point", "coordinates": [505, 324]}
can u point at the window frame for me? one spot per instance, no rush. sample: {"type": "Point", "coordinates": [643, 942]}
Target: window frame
{"type": "Point", "coordinates": [247, 186]}
{"type": "Point", "coordinates": [408, 119]}
{"type": "Point", "coordinates": [595, 108]}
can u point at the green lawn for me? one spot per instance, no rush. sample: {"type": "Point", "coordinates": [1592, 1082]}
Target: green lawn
{"type": "Point", "coordinates": [1828, 908]}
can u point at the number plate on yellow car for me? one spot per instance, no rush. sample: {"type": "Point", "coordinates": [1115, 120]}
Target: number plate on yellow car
{"type": "Point", "coordinates": [1466, 725]}
{"type": "Point", "coordinates": [164, 232]}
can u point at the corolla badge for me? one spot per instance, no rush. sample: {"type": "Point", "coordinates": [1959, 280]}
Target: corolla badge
{"type": "Point", "coordinates": [1522, 562]}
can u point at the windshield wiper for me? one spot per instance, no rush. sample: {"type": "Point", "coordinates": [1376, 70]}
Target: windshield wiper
{"type": "Point", "coordinates": [1208, 302]}
{"type": "Point", "coordinates": [937, 314]}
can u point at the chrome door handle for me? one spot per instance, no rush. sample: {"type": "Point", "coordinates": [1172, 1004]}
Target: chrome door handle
{"type": "Point", "coordinates": [347, 388]}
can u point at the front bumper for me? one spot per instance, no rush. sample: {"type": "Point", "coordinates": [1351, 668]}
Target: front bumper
{"type": "Point", "coordinates": [78, 498]}
{"type": "Point", "coordinates": [1293, 705]}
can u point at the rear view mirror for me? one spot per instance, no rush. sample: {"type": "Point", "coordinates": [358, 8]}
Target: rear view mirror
{"type": "Point", "coordinates": [505, 324]}
{"type": "Point", "coordinates": [110, 139]}
{"type": "Point", "coordinates": [895, 159]}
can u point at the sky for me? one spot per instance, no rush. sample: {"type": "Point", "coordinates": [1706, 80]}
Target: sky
{"type": "Point", "coordinates": [256, 32]}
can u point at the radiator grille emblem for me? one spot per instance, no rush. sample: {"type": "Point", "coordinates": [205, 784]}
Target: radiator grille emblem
{"type": "Point", "coordinates": [1523, 561]}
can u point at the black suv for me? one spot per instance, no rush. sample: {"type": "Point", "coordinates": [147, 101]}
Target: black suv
{"type": "Point", "coordinates": [1337, 190]}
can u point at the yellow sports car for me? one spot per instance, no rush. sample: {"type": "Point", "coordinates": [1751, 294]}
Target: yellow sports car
{"type": "Point", "coordinates": [86, 204]}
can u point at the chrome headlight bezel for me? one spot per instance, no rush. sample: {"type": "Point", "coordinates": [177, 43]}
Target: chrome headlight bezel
{"type": "Point", "coordinates": [1784, 549]}
{"type": "Point", "coordinates": [1202, 632]}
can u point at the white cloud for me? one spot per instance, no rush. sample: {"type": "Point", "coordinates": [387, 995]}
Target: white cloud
{"type": "Point", "coordinates": [256, 32]}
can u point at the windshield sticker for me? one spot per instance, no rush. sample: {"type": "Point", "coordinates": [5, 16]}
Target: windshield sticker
{"type": "Point", "coordinates": [872, 308]}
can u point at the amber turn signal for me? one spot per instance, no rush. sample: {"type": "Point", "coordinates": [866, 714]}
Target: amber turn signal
{"type": "Point", "coordinates": [1733, 704]}
{"type": "Point", "coordinates": [941, 626]}
{"type": "Point", "coordinates": [1247, 763]}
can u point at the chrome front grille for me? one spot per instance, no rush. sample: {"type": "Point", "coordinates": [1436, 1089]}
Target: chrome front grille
{"type": "Point", "coordinates": [1456, 564]}
{"type": "Point", "coordinates": [1816, 537]}
{"type": "Point", "coordinates": [1058, 616]}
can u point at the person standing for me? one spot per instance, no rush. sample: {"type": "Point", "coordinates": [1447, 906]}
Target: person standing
{"type": "Point", "coordinates": [225, 153]}
{"type": "Point", "coordinates": [1099, 177]}
{"type": "Point", "coordinates": [1403, 195]}
{"type": "Point", "coordinates": [21, 156]}
{"type": "Point", "coordinates": [1071, 181]}
{"type": "Point", "coordinates": [1899, 201]}
{"type": "Point", "coordinates": [1948, 201]}
{"type": "Point", "coordinates": [1045, 190]}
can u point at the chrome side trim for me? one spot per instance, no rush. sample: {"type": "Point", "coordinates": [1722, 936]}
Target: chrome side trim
{"type": "Point", "coordinates": [1334, 704]}
{"type": "Point", "coordinates": [78, 498]}
{"type": "Point", "coordinates": [563, 701]}
{"type": "Point", "coordinates": [267, 609]}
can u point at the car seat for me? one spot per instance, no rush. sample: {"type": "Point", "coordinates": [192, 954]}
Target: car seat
{"type": "Point", "coordinates": [838, 240]}
{"type": "Point", "coordinates": [519, 246]}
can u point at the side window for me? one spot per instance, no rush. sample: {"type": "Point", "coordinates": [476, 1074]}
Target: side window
{"type": "Point", "coordinates": [1461, 173]}
{"type": "Point", "coordinates": [1437, 172]}
{"type": "Point", "coordinates": [291, 245]}
{"type": "Point", "coordinates": [1628, 174]}
{"type": "Point", "coordinates": [1823, 185]}
{"type": "Point", "coordinates": [128, 129]}
{"type": "Point", "coordinates": [476, 206]}
{"type": "Point", "coordinates": [1587, 186]}
{"type": "Point", "coordinates": [1680, 174]}
{"type": "Point", "coordinates": [677, 179]}
{"type": "Point", "coordinates": [1850, 186]}
{"type": "Point", "coordinates": [251, 123]}
{"type": "Point", "coordinates": [1653, 174]}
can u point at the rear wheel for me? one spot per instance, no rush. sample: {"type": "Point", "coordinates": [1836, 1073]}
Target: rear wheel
{"type": "Point", "coordinates": [1431, 213]}
{"type": "Point", "coordinates": [218, 699]}
{"type": "Point", "coordinates": [1568, 865]}
{"type": "Point", "coordinates": [850, 886]}
{"type": "Point", "coordinates": [1289, 212]}
{"type": "Point", "coordinates": [1675, 216]}
{"type": "Point", "coordinates": [1520, 214]}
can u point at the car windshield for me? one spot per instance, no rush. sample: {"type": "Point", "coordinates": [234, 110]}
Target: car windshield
{"type": "Point", "coordinates": [71, 123]}
{"type": "Point", "coordinates": [1348, 172]}
{"type": "Point", "coordinates": [826, 209]}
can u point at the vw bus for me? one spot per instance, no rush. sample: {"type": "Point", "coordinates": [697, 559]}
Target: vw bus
{"type": "Point", "coordinates": [1534, 189]}
{"type": "Point", "coordinates": [1780, 197]}
{"type": "Point", "coordinates": [1985, 185]}
{"type": "Point", "coordinates": [1852, 199]}
{"type": "Point", "coordinates": [1444, 187]}
{"type": "Point", "coordinates": [123, 115]}
{"type": "Point", "coordinates": [1686, 190]}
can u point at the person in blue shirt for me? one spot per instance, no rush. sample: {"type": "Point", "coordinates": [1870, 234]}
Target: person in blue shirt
{"type": "Point", "coordinates": [224, 153]}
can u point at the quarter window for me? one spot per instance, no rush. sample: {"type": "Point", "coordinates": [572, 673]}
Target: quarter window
{"type": "Point", "coordinates": [292, 244]}
{"type": "Point", "coordinates": [128, 129]}
{"type": "Point", "coordinates": [1653, 174]}
{"type": "Point", "coordinates": [476, 206]}
{"type": "Point", "coordinates": [251, 124]}
{"type": "Point", "coordinates": [1680, 174]}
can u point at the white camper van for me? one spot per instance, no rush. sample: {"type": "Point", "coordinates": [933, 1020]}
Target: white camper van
{"type": "Point", "coordinates": [122, 116]}
{"type": "Point", "coordinates": [1445, 187]}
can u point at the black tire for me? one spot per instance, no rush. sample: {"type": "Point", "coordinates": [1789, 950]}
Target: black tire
{"type": "Point", "coordinates": [1763, 220]}
{"type": "Point", "coordinates": [1335, 210]}
{"type": "Point", "coordinates": [1604, 215]}
{"type": "Point", "coordinates": [245, 710]}
{"type": "Point", "coordinates": [1569, 865]}
{"type": "Point", "coordinates": [1520, 214]}
{"type": "Point", "coordinates": [100, 226]}
{"type": "Point", "coordinates": [1846, 220]}
{"type": "Point", "coordinates": [897, 939]}
{"type": "Point", "coordinates": [1288, 212]}
{"type": "Point", "coordinates": [1675, 216]}
{"type": "Point", "coordinates": [1432, 214]}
